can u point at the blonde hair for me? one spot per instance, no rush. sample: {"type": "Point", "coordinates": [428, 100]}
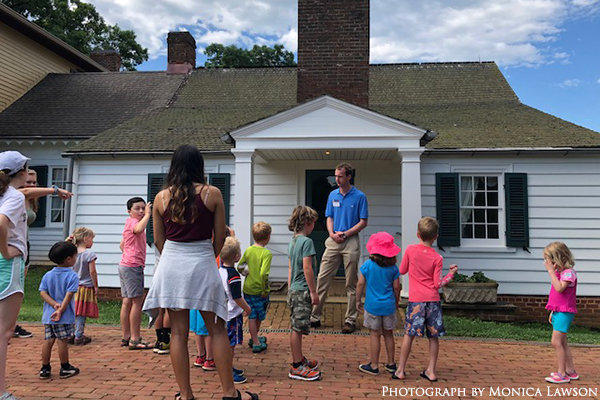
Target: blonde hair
{"type": "Point", "coordinates": [301, 216]}
{"type": "Point", "coordinates": [80, 234]}
{"type": "Point", "coordinates": [428, 229]}
{"type": "Point", "coordinates": [34, 203]}
{"type": "Point", "coordinates": [230, 249]}
{"type": "Point", "coordinates": [560, 255]}
{"type": "Point", "coordinates": [261, 231]}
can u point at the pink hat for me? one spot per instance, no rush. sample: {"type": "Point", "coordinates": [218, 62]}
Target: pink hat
{"type": "Point", "coordinates": [382, 243]}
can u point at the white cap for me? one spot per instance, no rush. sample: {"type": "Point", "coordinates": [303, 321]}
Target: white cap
{"type": "Point", "coordinates": [12, 162]}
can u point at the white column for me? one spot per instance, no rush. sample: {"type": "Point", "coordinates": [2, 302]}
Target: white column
{"type": "Point", "coordinates": [411, 201]}
{"type": "Point", "coordinates": [244, 196]}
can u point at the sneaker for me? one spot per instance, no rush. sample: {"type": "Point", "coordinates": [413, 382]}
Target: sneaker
{"type": "Point", "coordinates": [209, 365]}
{"type": "Point", "coordinates": [156, 346]}
{"type": "Point", "coordinates": [68, 372]}
{"type": "Point", "coordinates": [558, 378]}
{"type": "Point", "coordinates": [348, 328]}
{"type": "Point", "coordinates": [261, 339]}
{"type": "Point", "coordinates": [200, 361]}
{"type": "Point", "coordinates": [315, 324]}
{"type": "Point", "coordinates": [8, 396]}
{"type": "Point", "coordinates": [310, 364]}
{"type": "Point", "coordinates": [21, 333]}
{"type": "Point", "coordinates": [82, 341]}
{"type": "Point", "coordinates": [260, 347]}
{"type": "Point", "coordinates": [164, 348]}
{"type": "Point", "coordinates": [304, 373]}
{"type": "Point", "coordinates": [45, 373]}
{"type": "Point", "coordinates": [239, 378]}
{"type": "Point", "coordinates": [391, 368]}
{"type": "Point", "coordinates": [238, 371]}
{"type": "Point", "coordinates": [367, 369]}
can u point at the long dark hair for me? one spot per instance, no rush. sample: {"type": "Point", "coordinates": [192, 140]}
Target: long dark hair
{"type": "Point", "coordinates": [187, 167]}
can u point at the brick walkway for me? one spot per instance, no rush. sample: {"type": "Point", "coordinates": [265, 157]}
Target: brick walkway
{"type": "Point", "coordinates": [111, 372]}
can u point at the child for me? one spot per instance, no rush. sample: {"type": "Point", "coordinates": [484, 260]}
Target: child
{"type": "Point", "coordinates": [205, 358]}
{"type": "Point", "coordinates": [256, 285]}
{"type": "Point", "coordinates": [131, 272]}
{"type": "Point", "coordinates": [424, 312]}
{"type": "Point", "coordinates": [86, 303]}
{"type": "Point", "coordinates": [562, 304]}
{"type": "Point", "coordinates": [236, 305]}
{"type": "Point", "coordinates": [302, 293]}
{"type": "Point", "coordinates": [381, 276]}
{"type": "Point", "coordinates": [58, 287]}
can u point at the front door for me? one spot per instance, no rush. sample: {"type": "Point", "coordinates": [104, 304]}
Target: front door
{"type": "Point", "coordinates": [319, 183]}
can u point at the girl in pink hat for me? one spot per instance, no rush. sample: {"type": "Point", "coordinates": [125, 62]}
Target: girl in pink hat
{"type": "Point", "coordinates": [381, 277]}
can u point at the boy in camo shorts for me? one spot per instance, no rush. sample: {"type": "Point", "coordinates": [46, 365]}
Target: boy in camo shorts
{"type": "Point", "coordinates": [302, 294]}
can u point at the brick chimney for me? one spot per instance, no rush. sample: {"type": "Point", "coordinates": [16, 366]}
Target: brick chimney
{"type": "Point", "coordinates": [110, 59]}
{"type": "Point", "coordinates": [333, 50]}
{"type": "Point", "coordinates": [181, 52]}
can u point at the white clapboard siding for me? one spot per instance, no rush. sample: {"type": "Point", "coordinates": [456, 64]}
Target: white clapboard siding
{"type": "Point", "coordinates": [279, 187]}
{"type": "Point", "coordinates": [564, 205]}
{"type": "Point", "coordinates": [48, 154]}
{"type": "Point", "coordinates": [103, 188]}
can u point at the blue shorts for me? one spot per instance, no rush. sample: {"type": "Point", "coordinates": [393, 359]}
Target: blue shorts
{"type": "Point", "coordinates": [234, 330]}
{"type": "Point", "coordinates": [561, 321]}
{"type": "Point", "coordinates": [259, 306]}
{"type": "Point", "coordinates": [197, 324]}
{"type": "Point", "coordinates": [425, 317]}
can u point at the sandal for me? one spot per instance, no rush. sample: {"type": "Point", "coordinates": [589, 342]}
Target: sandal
{"type": "Point", "coordinates": [178, 396]}
{"type": "Point", "coordinates": [253, 396]}
{"type": "Point", "coordinates": [139, 345]}
{"type": "Point", "coordinates": [124, 342]}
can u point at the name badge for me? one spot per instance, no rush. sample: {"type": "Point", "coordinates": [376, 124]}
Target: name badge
{"type": "Point", "coordinates": [336, 203]}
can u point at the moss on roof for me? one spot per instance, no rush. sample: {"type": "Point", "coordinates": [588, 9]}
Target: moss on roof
{"type": "Point", "coordinates": [469, 105]}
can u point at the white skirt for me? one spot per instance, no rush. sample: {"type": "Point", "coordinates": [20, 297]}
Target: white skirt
{"type": "Point", "coordinates": [187, 277]}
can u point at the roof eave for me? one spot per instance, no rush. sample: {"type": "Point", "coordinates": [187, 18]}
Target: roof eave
{"type": "Point", "coordinates": [514, 150]}
{"type": "Point", "coordinates": [82, 154]}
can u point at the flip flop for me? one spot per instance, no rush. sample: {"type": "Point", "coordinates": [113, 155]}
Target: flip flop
{"type": "Point", "coordinates": [394, 376]}
{"type": "Point", "coordinates": [424, 375]}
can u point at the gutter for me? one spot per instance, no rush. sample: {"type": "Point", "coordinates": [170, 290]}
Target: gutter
{"type": "Point", "coordinates": [513, 150]}
{"type": "Point", "coordinates": [115, 154]}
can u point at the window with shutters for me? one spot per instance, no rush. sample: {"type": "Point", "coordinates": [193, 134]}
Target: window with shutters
{"type": "Point", "coordinates": [482, 208]}
{"type": "Point", "coordinates": [481, 212]}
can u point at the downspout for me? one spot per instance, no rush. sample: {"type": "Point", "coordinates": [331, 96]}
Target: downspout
{"type": "Point", "coordinates": [70, 187]}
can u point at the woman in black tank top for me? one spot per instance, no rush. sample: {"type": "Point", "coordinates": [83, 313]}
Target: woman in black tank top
{"type": "Point", "coordinates": [185, 215]}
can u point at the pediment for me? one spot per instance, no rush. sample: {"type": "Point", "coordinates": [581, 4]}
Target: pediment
{"type": "Point", "coordinates": [328, 118]}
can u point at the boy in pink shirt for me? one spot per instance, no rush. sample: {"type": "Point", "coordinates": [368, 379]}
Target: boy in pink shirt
{"type": "Point", "coordinates": [424, 312]}
{"type": "Point", "coordinates": [131, 272]}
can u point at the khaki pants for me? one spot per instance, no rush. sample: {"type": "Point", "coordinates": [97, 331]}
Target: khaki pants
{"type": "Point", "coordinates": [347, 252]}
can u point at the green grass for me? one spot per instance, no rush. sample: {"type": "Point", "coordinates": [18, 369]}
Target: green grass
{"type": "Point", "coordinates": [31, 310]}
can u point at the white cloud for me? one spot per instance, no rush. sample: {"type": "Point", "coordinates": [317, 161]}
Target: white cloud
{"type": "Point", "coordinates": [568, 83]}
{"type": "Point", "coordinates": [510, 32]}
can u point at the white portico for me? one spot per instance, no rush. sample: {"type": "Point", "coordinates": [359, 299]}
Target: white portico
{"type": "Point", "coordinates": [320, 134]}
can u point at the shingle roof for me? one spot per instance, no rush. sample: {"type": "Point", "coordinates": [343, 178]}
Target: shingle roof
{"type": "Point", "coordinates": [82, 105]}
{"type": "Point", "coordinates": [469, 105]}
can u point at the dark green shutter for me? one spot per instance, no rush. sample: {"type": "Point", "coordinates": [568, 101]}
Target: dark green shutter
{"type": "Point", "coordinates": [448, 208]}
{"type": "Point", "coordinates": [42, 180]}
{"type": "Point", "coordinates": [222, 181]}
{"type": "Point", "coordinates": [517, 214]}
{"type": "Point", "coordinates": [155, 185]}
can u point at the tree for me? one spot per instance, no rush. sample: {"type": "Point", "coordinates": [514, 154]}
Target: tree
{"type": "Point", "coordinates": [220, 56]}
{"type": "Point", "coordinates": [80, 25]}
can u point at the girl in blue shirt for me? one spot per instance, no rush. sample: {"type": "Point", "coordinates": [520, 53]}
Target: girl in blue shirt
{"type": "Point", "coordinates": [381, 277]}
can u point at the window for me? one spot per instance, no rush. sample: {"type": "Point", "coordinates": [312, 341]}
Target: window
{"type": "Point", "coordinates": [479, 207]}
{"type": "Point", "coordinates": [57, 205]}
{"type": "Point", "coordinates": [482, 209]}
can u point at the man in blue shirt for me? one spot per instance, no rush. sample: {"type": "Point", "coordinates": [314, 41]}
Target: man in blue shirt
{"type": "Point", "coordinates": [347, 213]}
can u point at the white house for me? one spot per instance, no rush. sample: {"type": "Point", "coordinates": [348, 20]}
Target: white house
{"type": "Point", "coordinates": [450, 140]}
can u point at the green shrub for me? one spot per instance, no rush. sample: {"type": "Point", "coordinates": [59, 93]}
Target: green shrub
{"type": "Point", "coordinates": [477, 277]}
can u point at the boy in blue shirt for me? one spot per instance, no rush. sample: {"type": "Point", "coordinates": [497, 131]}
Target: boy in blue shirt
{"type": "Point", "coordinates": [58, 287]}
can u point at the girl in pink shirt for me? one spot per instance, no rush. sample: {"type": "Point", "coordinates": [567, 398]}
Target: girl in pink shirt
{"type": "Point", "coordinates": [424, 312]}
{"type": "Point", "coordinates": [562, 303]}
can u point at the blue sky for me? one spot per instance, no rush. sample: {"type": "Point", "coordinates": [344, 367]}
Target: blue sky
{"type": "Point", "coordinates": [547, 49]}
